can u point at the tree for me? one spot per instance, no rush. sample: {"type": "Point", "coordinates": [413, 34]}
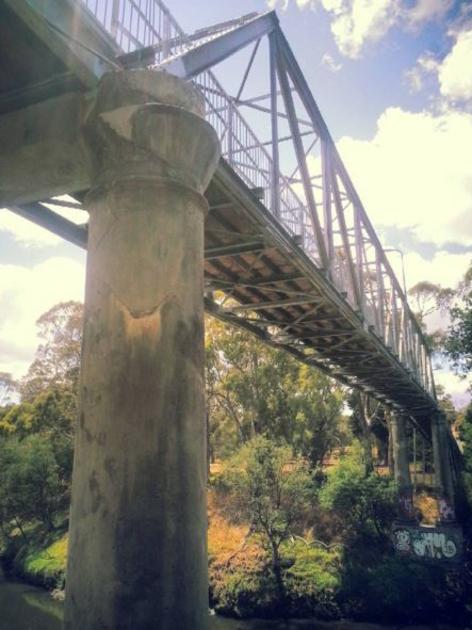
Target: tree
{"type": "Point", "coordinates": [458, 343]}
{"type": "Point", "coordinates": [368, 421]}
{"type": "Point", "coordinates": [253, 390]}
{"type": "Point", "coordinates": [317, 403]}
{"type": "Point", "coordinates": [8, 388]}
{"type": "Point", "coordinates": [30, 484]}
{"type": "Point", "coordinates": [271, 488]}
{"type": "Point", "coordinates": [465, 436]}
{"type": "Point", "coordinates": [57, 360]}
{"type": "Point", "coordinates": [429, 297]}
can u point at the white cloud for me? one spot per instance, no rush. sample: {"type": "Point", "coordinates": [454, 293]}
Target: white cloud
{"type": "Point", "coordinates": [444, 268]}
{"type": "Point", "coordinates": [276, 4]}
{"type": "Point", "coordinates": [416, 173]}
{"type": "Point", "coordinates": [329, 61]}
{"type": "Point", "coordinates": [456, 387]}
{"type": "Point", "coordinates": [26, 293]}
{"type": "Point", "coordinates": [454, 73]}
{"type": "Point", "coordinates": [425, 11]}
{"type": "Point", "coordinates": [358, 23]}
{"type": "Point", "coordinates": [425, 66]}
{"type": "Point", "coordinates": [26, 232]}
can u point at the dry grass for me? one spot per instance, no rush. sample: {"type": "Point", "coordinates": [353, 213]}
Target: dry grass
{"type": "Point", "coordinates": [428, 507]}
{"type": "Point", "coordinates": [229, 543]}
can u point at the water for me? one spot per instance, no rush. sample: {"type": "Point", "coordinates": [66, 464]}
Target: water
{"type": "Point", "coordinates": [25, 607]}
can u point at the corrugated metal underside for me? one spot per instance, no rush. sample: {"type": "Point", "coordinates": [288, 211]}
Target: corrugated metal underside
{"type": "Point", "coordinates": [258, 278]}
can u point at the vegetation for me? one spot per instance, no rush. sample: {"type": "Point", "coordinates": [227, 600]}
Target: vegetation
{"type": "Point", "coordinates": [299, 516]}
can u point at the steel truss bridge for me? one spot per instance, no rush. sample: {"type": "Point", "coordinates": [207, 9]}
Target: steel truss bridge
{"type": "Point", "coordinates": [290, 253]}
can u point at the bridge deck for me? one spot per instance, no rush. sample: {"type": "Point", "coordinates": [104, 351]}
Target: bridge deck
{"type": "Point", "coordinates": [273, 289]}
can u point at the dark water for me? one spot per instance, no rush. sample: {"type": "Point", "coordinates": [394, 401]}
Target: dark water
{"type": "Point", "coordinates": [24, 607]}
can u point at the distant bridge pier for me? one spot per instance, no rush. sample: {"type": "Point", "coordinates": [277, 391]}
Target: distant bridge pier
{"type": "Point", "coordinates": [402, 467]}
{"type": "Point", "coordinates": [443, 477]}
{"type": "Point", "coordinates": [138, 556]}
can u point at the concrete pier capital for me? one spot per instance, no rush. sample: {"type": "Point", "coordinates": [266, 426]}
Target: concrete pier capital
{"type": "Point", "coordinates": [149, 124]}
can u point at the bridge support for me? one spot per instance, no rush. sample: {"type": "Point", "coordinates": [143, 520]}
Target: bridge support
{"type": "Point", "coordinates": [442, 468]}
{"type": "Point", "coordinates": [402, 467]}
{"type": "Point", "coordinates": [138, 526]}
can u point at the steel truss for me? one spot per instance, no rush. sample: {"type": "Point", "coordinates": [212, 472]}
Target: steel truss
{"type": "Point", "coordinates": [290, 252]}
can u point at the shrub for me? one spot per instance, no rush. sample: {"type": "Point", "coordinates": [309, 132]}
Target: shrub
{"type": "Point", "coordinates": [366, 503]}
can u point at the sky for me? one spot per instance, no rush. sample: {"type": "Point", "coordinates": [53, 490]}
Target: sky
{"type": "Point", "coordinates": [393, 80]}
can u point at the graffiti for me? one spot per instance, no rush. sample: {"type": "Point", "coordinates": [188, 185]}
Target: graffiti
{"type": "Point", "coordinates": [428, 543]}
{"type": "Point", "coordinates": [406, 507]}
{"type": "Point", "coordinates": [446, 511]}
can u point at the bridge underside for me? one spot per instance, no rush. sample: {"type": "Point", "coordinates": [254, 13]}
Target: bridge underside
{"type": "Point", "coordinates": [259, 279]}
{"type": "Point", "coordinates": [287, 301]}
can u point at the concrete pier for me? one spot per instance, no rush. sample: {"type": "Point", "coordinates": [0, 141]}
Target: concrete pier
{"type": "Point", "coordinates": [402, 467]}
{"type": "Point", "coordinates": [138, 557]}
{"type": "Point", "coordinates": [442, 468]}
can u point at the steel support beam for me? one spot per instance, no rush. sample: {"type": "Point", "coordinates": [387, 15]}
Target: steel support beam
{"type": "Point", "coordinates": [202, 57]}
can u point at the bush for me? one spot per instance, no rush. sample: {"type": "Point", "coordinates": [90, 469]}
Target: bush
{"type": "Point", "coordinates": [392, 590]}
{"type": "Point", "coordinates": [366, 503]}
{"type": "Point", "coordinates": [246, 586]}
{"type": "Point", "coordinates": [312, 580]}
{"type": "Point", "coordinates": [44, 565]}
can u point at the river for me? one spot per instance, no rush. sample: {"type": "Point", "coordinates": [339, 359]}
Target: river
{"type": "Point", "coordinates": [25, 607]}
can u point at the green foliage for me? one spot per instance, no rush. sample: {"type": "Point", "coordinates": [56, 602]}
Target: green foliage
{"type": "Point", "coordinates": [36, 434]}
{"type": "Point", "coordinates": [270, 487]}
{"type": "Point", "coordinates": [253, 390]}
{"type": "Point", "coordinates": [312, 580]}
{"type": "Point", "coordinates": [458, 344]}
{"type": "Point", "coordinates": [45, 564]}
{"type": "Point", "coordinates": [366, 502]}
{"type": "Point", "coordinates": [30, 484]}
{"type": "Point", "coordinates": [465, 434]}
{"type": "Point", "coordinates": [243, 593]}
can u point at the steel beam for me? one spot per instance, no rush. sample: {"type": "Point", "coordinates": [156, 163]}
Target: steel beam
{"type": "Point", "coordinates": [49, 220]}
{"type": "Point", "coordinates": [301, 158]}
{"type": "Point", "coordinates": [234, 250]}
{"type": "Point", "coordinates": [199, 58]}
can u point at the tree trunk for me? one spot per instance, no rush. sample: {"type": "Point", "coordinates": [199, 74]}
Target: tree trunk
{"type": "Point", "coordinates": [277, 569]}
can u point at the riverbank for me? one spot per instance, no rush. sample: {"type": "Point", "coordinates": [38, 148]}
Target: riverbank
{"type": "Point", "coordinates": [25, 607]}
{"type": "Point", "coordinates": [37, 557]}
{"type": "Point", "coordinates": [365, 583]}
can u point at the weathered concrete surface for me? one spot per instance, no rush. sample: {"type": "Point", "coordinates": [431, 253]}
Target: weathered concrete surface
{"type": "Point", "coordinates": [138, 529]}
{"type": "Point", "coordinates": [43, 153]}
{"type": "Point", "coordinates": [402, 467]}
{"type": "Point", "coordinates": [442, 468]}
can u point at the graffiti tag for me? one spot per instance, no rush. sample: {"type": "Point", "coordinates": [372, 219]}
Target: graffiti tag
{"type": "Point", "coordinates": [428, 543]}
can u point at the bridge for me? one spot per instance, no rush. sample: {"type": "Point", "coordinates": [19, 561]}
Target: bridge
{"type": "Point", "coordinates": [111, 103]}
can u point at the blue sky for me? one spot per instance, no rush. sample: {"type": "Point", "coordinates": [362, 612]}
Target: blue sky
{"type": "Point", "coordinates": [393, 80]}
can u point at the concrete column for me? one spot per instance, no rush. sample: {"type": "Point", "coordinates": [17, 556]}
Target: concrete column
{"type": "Point", "coordinates": [442, 468]}
{"type": "Point", "coordinates": [138, 529]}
{"type": "Point", "coordinates": [402, 467]}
